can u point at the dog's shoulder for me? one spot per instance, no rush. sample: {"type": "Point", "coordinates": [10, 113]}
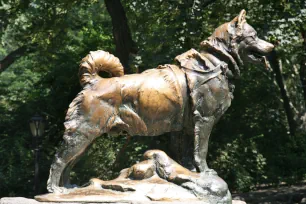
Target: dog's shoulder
{"type": "Point", "coordinates": [198, 68]}
{"type": "Point", "coordinates": [193, 60]}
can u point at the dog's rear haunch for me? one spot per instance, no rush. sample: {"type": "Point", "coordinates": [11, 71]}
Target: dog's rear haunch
{"type": "Point", "coordinates": [188, 96]}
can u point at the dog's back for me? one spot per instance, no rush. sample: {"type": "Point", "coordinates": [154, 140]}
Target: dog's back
{"type": "Point", "coordinates": [150, 103]}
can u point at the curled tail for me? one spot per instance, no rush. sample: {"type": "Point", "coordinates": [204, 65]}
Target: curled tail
{"type": "Point", "coordinates": [97, 61]}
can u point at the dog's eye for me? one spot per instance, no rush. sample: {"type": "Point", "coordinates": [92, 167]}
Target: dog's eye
{"type": "Point", "coordinates": [249, 40]}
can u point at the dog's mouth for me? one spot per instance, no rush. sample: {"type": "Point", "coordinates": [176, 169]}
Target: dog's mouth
{"type": "Point", "coordinates": [258, 57]}
{"type": "Point", "coordinates": [255, 55]}
{"type": "Point", "coordinates": [257, 51]}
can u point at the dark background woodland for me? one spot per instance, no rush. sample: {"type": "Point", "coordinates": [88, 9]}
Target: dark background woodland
{"type": "Point", "coordinates": [260, 140]}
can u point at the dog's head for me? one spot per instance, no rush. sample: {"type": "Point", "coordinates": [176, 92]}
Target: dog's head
{"type": "Point", "coordinates": [238, 40]}
{"type": "Point", "coordinates": [244, 39]}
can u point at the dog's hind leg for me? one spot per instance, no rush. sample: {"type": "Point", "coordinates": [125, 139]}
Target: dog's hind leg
{"type": "Point", "coordinates": [65, 179]}
{"type": "Point", "coordinates": [72, 148]}
{"type": "Point", "coordinates": [74, 145]}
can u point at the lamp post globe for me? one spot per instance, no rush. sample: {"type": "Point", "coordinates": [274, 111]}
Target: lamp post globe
{"type": "Point", "coordinates": [37, 125]}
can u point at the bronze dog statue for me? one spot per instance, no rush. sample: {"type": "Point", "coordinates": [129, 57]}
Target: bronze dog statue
{"type": "Point", "coordinates": [191, 96]}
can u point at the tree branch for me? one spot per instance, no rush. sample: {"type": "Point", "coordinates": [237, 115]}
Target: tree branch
{"type": "Point", "coordinates": [12, 57]}
{"type": "Point", "coordinates": [207, 3]}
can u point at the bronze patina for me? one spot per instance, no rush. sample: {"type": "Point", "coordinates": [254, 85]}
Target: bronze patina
{"type": "Point", "coordinates": [188, 96]}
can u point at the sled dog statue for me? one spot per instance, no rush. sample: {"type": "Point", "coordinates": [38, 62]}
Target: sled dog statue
{"type": "Point", "coordinates": [190, 96]}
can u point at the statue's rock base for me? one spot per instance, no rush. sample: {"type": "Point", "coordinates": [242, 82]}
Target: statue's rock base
{"type": "Point", "coordinates": [153, 189]}
{"type": "Point", "coordinates": [157, 178]}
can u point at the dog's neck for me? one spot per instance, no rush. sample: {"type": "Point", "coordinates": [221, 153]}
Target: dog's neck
{"type": "Point", "coordinates": [219, 47]}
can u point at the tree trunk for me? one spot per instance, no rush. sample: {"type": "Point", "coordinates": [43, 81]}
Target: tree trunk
{"type": "Point", "coordinates": [121, 32]}
{"type": "Point", "coordinates": [276, 65]}
{"type": "Point", "coordinates": [303, 65]}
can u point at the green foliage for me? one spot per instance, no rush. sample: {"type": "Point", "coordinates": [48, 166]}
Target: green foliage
{"type": "Point", "coordinates": [244, 176]}
{"type": "Point", "coordinates": [44, 82]}
{"type": "Point", "coordinates": [249, 146]}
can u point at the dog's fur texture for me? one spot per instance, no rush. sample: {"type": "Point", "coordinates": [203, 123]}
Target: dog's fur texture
{"type": "Point", "coordinates": [190, 96]}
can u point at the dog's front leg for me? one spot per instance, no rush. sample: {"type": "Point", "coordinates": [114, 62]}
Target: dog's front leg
{"type": "Point", "coordinates": [202, 130]}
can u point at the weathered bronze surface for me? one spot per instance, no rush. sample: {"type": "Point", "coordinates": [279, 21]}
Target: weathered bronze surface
{"type": "Point", "coordinates": [189, 96]}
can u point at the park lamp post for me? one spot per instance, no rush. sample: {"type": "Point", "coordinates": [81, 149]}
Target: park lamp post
{"type": "Point", "coordinates": [37, 126]}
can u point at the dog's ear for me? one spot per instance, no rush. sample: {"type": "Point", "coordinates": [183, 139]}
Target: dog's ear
{"type": "Point", "coordinates": [238, 21]}
{"type": "Point", "coordinates": [241, 18]}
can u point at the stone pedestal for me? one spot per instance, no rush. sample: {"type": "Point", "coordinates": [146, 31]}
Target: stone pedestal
{"type": "Point", "coordinates": [21, 200]}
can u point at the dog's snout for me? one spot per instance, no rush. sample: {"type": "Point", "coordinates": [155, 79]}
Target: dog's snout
{"type": "Point", "coordinates": [265, 46]}
{"type": "Point", "coordinates": [269, 46]}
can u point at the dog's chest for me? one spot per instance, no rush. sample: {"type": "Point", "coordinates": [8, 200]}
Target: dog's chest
{"type": "Point", "coordinates": [212, 97]}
